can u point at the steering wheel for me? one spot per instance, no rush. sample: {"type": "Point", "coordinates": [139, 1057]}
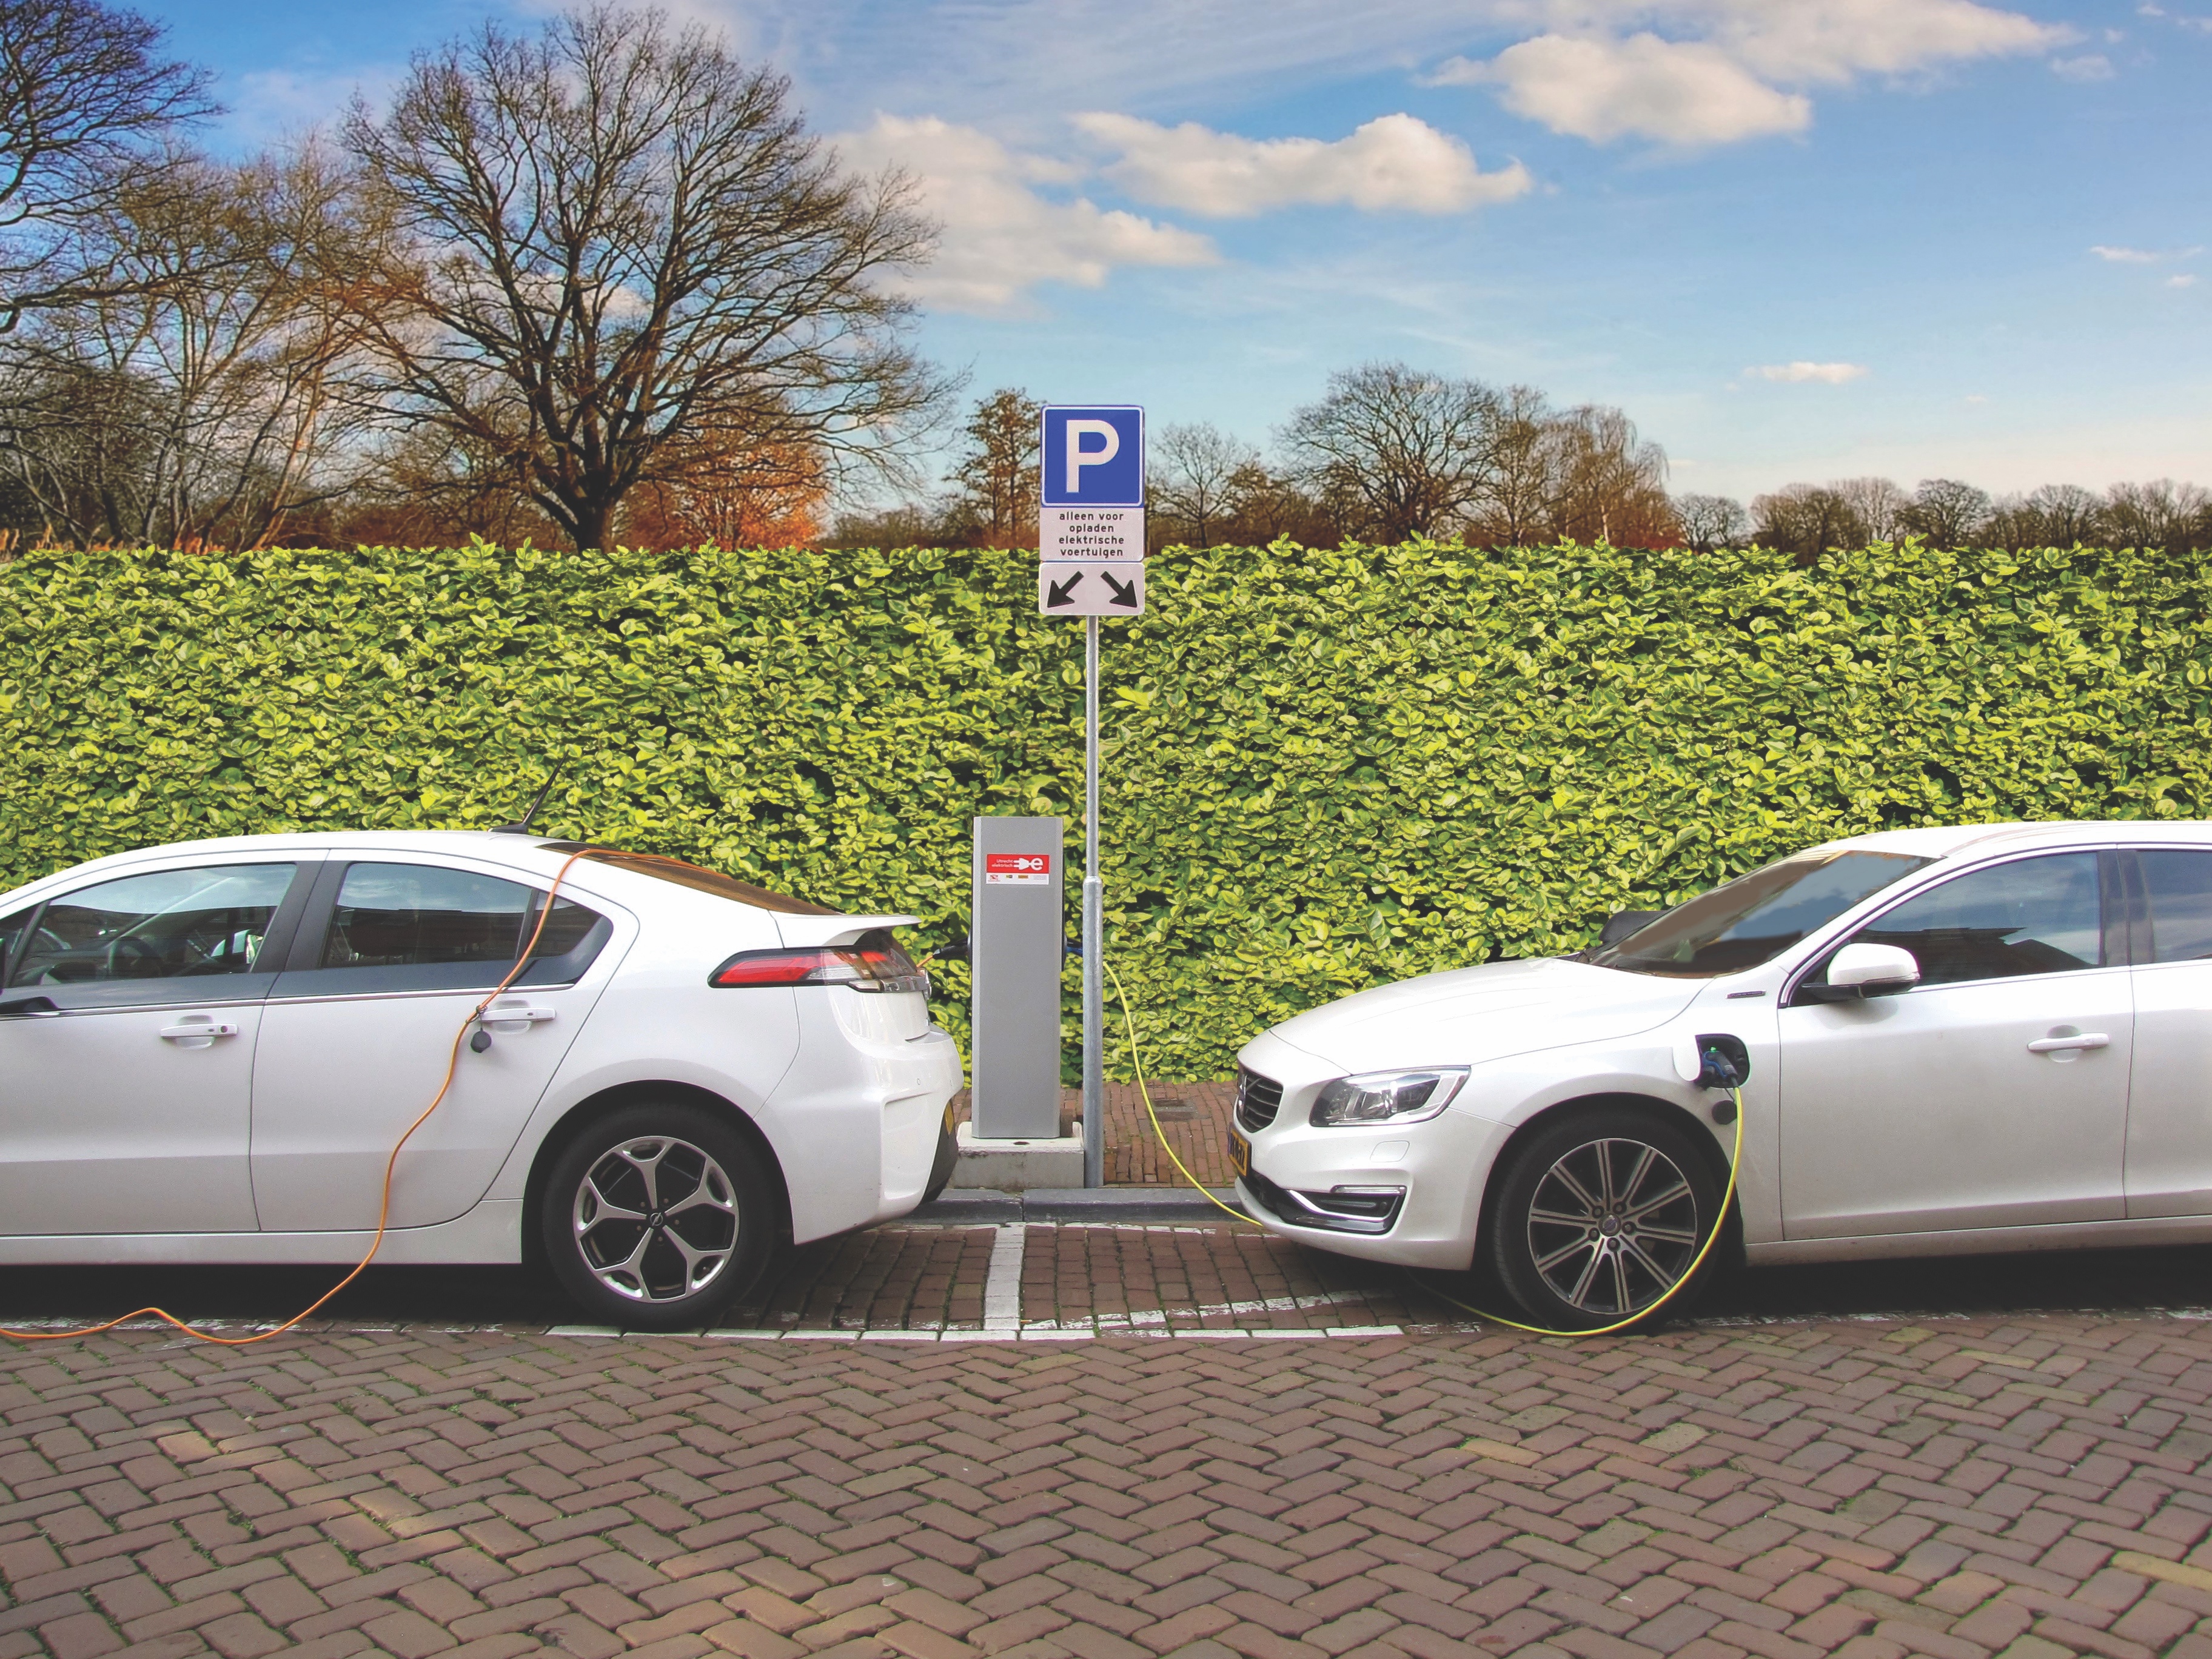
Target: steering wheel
{"type": "Point", "coordinates": [145, 961]}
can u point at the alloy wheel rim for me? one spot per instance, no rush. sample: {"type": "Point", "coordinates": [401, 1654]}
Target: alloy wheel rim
{"type": "Point", "coordinates": [656, 1219]}
{"type": "Point", "coordinates": [1613, 1226]}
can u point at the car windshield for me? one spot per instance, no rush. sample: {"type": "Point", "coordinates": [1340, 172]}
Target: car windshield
{"type": "Point", "coordinates": [1754, 918]}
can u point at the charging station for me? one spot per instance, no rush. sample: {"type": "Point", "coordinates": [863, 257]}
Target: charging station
{"type": "Point", "coordinates": [1017, 938]}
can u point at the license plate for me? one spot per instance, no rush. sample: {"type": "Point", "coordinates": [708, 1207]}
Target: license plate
{"type": "Point", "coordinates": [1239, 1154]}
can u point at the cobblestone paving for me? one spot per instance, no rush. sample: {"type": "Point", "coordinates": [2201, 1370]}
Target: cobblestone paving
{"type": "Point", "coordinates": [2024, 1484]}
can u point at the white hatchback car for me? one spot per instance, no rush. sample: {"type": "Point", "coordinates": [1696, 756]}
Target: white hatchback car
{"type": "Point", "coordinates": [1958, 1040]}
{"type": "Point", "coordinates": [208, 1051]}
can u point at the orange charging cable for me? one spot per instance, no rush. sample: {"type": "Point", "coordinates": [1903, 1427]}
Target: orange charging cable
{"type": "Point", "coordinates": [384, 1208]}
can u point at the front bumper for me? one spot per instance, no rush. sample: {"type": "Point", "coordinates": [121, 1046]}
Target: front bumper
{"type": "Point", "coordinates": [1409, 1194]}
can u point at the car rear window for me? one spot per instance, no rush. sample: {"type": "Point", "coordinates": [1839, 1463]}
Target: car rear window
{"type": "Point", "coordinates": [692, 876]}
{"type": "Point", "coordinates": [1755, 918]}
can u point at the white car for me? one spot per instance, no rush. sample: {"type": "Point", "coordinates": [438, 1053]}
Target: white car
{"type": "Point", "coordinates": [1958, 1040]}
{"type": "Point", "coordinates": [209, 1050]}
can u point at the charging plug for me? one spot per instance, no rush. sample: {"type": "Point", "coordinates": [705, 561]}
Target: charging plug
{"type": "Point", "coordinates": [1723, 1062]}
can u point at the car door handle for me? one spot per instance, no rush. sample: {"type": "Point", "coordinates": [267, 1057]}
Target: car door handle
{"type": "Point", "coordinates": [527, 1014]}
{"type": "Point", "coordinates": [2060, 1045]}
{"type": "Point", "coordinates": [203, 1029]}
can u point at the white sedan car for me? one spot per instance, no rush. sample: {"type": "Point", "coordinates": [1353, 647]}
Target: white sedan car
{"type": "Point", "coordinates": [209, 1050]}
{"type": "Point", "coordinates": [1957, 1040]}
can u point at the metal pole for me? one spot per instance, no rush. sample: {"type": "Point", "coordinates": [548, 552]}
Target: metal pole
{"type": "Point", "coordinates": [1094, 930]}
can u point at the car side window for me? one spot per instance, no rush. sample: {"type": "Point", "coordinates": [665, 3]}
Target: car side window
{"type": "Point", "coordinates": [2180, 886]}
{"type": "Point", "coordinates": [395, 916]}
{"type": "Point", "coordinates": [2041, 915]}
{"type": "Point", "coordinates": [166, 924]}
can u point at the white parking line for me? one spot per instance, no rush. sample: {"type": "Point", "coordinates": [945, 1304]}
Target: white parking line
{"type": "Point", "coordinates": [1002, 1285]}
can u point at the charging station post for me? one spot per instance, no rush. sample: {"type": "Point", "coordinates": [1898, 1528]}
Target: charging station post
{"type": "Point", "coordinates": [1091, 563]}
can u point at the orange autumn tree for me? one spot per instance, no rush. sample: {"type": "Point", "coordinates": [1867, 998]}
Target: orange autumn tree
{"type": "Point", "coordinates": [732, 495]}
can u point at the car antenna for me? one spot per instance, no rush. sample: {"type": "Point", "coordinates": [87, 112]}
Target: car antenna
{"type": "Point", "coordinates": [522, 826]}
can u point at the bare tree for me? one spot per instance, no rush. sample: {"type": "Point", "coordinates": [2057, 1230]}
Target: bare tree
{"type": "Point", "coordinates": [1411, 453]}
{"type": "Point", "coordinates": [190, 400]}
{"type": "Point", "coordinates": [2159, 514]}
{"type": "Point", "coordinates": [1946, 513]}
{"type": "Point", "coordinates": [1711, 521]}
{"type": "Point", "coordinates": [997, 473]}
{"type": "Point", "coordinates": [87, 102]}
{"type": "Point", "coordinates": [1193, 485]}
{"type": "Point", "coordinates": [2067, 514]}
{"type": "Point", "coordinates": [1518, 507]}
{"type": "Point", "coordinates": [615, 236]}
{"type": "Point", "coordinates": [1806, 520]}
{"type": "Point", "coordinates": [1608, 483]}
{"type": "Point", "coordinates": [1879, 505]}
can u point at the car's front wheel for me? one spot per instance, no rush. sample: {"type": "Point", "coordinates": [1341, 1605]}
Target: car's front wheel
{"type": "Point", "coordinates": [656, 1216]}
{"type": "Point", "coordinates": [1600, 1216]}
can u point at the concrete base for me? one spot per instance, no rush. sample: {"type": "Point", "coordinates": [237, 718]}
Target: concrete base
{"type": "Point", "coordinates": [1017, 1166]}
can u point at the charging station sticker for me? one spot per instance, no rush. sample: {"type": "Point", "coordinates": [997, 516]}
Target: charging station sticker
{"type": "Point", "coordinates": [1023, 869]}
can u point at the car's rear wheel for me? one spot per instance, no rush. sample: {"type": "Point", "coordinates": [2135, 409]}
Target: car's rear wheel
{"type": "Point", "coordinates": [1600, 1216]}
{"type": "Point", "coordinates": [656, 1216]}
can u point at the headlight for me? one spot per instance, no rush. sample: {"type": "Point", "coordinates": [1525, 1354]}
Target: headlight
{"type": "Point", "coordinates": [1386, 1097]}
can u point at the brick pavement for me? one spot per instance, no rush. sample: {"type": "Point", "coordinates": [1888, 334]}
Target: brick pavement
{"type": "Point", "coordinates": [2026, 1485]}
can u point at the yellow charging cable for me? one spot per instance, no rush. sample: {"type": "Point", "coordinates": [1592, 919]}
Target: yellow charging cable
{"type": "Point", "coordinates": [1137, 1065]}
{"type": "Point", "coordinates": [1728, 1195]}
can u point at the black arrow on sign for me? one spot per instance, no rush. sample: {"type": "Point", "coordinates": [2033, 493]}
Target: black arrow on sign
{"type": "Point", "coordinates": [1124, 593]}
{"type": "Point", "coordinates": [1059, 593]}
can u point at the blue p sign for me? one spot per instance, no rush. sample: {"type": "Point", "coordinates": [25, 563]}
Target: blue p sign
{"type": "Point", "coordinates": [1094, 455]}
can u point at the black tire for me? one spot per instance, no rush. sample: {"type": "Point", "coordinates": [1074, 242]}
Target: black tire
{"type": "Point", "coordinates": [1652, 1198]}
{"type": "Point", "coordinates": [706, 1223]}
{"type": "Point", "coordinates": [940, 1168]}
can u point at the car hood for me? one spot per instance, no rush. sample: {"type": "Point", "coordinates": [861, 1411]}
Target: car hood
{"type": "Point", "coordinates": [1470, 1015]}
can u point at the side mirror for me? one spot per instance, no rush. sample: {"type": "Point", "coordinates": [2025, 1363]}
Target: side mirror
{"type": "Point", "coordinates": [1865, 970]}
{"type": "Point", "coordinates": [1621, 923]}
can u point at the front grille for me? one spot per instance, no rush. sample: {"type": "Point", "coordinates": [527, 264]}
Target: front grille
{"type": "Point", "coordinates": [1258, 1099]}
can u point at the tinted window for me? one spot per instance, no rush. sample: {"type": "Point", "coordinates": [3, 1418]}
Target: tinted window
{"type": "Point", "coordinates": [174, 924]}
{"type": "Point", "coordinates": [691, 875]}
{"type": "Point", "coordinates": [409, 915]}
{"type": "Point", "coordinates": [2180, 885]}
{"type": "Point", "coordinates": [1755, 917]}
{"type": "Point", "coordinates": [2037, 916]}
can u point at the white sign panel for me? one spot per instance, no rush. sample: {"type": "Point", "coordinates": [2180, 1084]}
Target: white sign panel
{"type": "Point", "coordinates": [1091, 588]}
{"type": "Point", "coordinates": [1090, 532]}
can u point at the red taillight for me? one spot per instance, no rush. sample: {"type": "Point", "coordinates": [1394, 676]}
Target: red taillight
{"type": "Point", "coordinates": [867, 966]}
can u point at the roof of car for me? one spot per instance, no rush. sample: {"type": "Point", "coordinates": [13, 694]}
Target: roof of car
{"type": "Point", "coordinates": [1948, 841]}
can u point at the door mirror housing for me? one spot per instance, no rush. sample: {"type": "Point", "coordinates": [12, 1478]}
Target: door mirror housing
{"type": "Point", "coordinates": [1864, 970]}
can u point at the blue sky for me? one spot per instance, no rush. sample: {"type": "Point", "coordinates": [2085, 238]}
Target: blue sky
{"type": "Point", "coordinates": [1793, 239]}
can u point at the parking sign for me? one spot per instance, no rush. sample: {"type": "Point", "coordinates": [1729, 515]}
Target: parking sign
{"type": "Point", "coordinates": [1094, 455]}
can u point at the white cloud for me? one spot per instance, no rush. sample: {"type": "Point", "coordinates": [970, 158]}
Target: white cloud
{"type": "Point", "coordinates": [1000, 236]}
{"type": "Point", "coordinates": [1800, 372]}
{"type": "Point", "coordinates": [2126, 256]}
{"type": "Point", "coordinates": [1685, 93]}
{"type": "Point", "coordinates": [1392, 162]}
{"type": "Point", "coordinates": [2094, 66]}
{"type": "Point", "coordinates": [2185, 280]}
{"type": "Point", "coordinates": [1704, 72]}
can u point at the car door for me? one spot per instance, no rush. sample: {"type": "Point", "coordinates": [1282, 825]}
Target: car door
{"type": "Point", "coordinates": [2169, 1156]}
{"type": "Point", "coordinates": [363, 1022]}
{"type": "Point", "coordinates": [127, 1026]}
{"type": "Point", "coordinates": [1994, 1093]}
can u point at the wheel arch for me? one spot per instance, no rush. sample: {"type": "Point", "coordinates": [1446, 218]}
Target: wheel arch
{"type": "Point", "coordinates": [589, 1110]}
{"type": "Point", "coordinates": [1730, 1247]}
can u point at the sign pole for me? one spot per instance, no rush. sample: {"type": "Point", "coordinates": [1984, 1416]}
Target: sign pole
{"type": "Point", "coordinates": [1094, 929]}
{"type": "Point", "coordinates": [1091, 563]}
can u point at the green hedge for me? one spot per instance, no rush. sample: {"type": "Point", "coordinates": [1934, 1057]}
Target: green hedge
{"type": "Point", "coordinates": [1324, 767]}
